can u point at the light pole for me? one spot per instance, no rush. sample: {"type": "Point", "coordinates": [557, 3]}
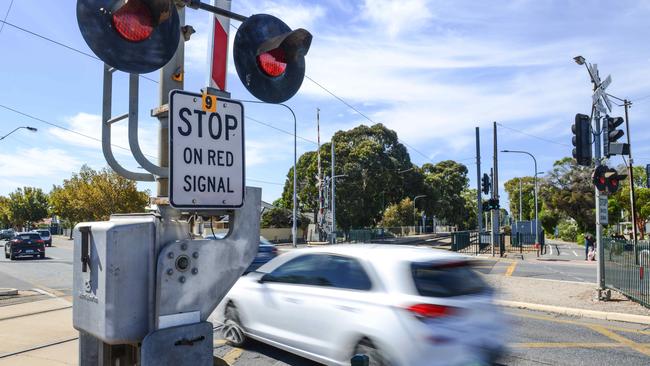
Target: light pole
{"type": "Point", "coordinates": [415, 219]}
{"type": "Point", "coordinates": [534, 188]}
{"type": "Point", "coordinates": [294, 214]}
{"type": "Point", "coordinates": [33, 129]}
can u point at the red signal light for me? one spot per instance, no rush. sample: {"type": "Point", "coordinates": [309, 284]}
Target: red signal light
{"type": "Point", "coordinates": [133, 21]}
{"type": "Point", "coordinates": [273, 63]}
{"type": "Point", "coordinates": [601, 179]}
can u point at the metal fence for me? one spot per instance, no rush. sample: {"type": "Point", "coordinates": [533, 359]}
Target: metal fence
{"type": "Point", "coordinates": [627, 271]}
{"type": "Point", "coordinates": [471, 242]}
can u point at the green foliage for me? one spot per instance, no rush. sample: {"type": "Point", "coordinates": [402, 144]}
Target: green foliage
{"type": "Point", "coordinates": [471, 210]}
{"type": "Point", "coordinates": [399, 214]}
{"type": "Point", "coordinates": [377, 169]}
{"type": "Point", "coordinates": [27, 205]}
{"type": "Point", "coordinates": [94, 195]}
{"type": "Point", "coordinates": [276, 217]}
{"type": "Point", "coordinates": [445, 183]}
{"type": "Point", "coordinates": [549, 220]}
{"type": "Point", "coordinates": [568, 190]}
{"type": "Point", "coordinates": [621, 201]}
{"type": "Point", "coordinates": [527, 197]}
{"type": "Point", "coordinates": [5, 213]}
{"type": "Point", "coordinates": [568, 231]}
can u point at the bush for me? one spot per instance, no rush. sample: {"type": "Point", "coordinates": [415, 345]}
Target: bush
{"type": "Point", "coordinates": [568, 231]}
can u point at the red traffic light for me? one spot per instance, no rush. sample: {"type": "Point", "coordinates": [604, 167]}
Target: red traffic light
{"type": "Point", "coordinates": [133, 21]}
{"type": "Point", "coordinates": [134, 36]}
{"type": "Point", "coordinates": [270, 57]}
{"type": "Point", "coordinates": [273, 63]}
{"type": "Point", "coordinates": [598, 178]}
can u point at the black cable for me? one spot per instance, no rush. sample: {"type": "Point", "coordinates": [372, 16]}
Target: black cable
{"type": "Point", "coordinates": [531, 135]}
{"type": "Point", "coordinates": [6, 16]}
{"type": "Point", "coordinates": [64, 45]}
{"type": "Point", "coordinates": [66, 129]}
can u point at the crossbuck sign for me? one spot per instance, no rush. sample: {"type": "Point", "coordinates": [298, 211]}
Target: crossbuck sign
{"type": "Point", "coordinates": [206, 151]}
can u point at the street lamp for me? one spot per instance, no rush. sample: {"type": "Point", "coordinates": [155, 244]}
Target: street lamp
{"type": "Point", "coordinates": [415, 219]}
{"type": "Point", "coordinates": [33, 129]}
{"type": "Point", "coordinates": [534, 188]}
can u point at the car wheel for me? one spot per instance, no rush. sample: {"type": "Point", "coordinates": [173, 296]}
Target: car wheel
{"type": "Point", "coordinates": [6, 255]}
{"type": "Point", "coordinates": [42, 255]}
{"type": "Point", "coordinates": [232, 331]}
{"type": "Point", "coordinates": [366, 347]}
{"type": "Point", "coordinates": [12, 256]}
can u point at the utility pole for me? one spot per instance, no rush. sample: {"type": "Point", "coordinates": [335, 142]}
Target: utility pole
{"type": "Point", "coordinates": [520, 199]}
{"type": "Point", "coordinates": [333, 238]}
{"type": "Point", "coordinates": [626, 104]}
{"type": "Point", "coordinates": [495, 192]}
{"type": "Point", "coordinates": [479, 202]}
{"type": "Point", "coordinates": [319, 220]}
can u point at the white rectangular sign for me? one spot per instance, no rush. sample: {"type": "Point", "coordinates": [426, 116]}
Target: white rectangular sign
{"type": "Point", "coordinates": [603, 218]}
{"type": "Point", "coordinates": [206, 152]}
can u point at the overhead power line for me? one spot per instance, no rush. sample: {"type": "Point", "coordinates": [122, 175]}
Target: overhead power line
{"type": "Point", "coordinates": [65, 128]}
{"type": "Point", "coordinates": [531, 135]}
{"type": "Point", "coordinates": [63, 45]}
{"type": "Point", "coordinates": [6, 16]}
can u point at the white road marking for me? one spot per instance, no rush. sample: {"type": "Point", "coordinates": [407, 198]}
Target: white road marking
{"type": "Point", "coordinates": [574, 253]}
{"type": "Point", "coordinates": [43, 292]}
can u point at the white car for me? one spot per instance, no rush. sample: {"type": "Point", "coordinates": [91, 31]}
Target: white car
{"type": "Point", "coordinates": [402, 306]}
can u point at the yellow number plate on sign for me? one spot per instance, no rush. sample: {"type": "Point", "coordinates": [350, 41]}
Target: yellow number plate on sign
{"type": "Point", "coordinates": [209, 103]}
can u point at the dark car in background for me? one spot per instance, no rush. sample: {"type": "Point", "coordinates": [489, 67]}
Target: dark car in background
{"type": "Point", "coordinates": [28, 244]}
{"type": "Point", "coordinates": [46, 236]}
{"type": "Point", "coordinates": [265, 252]}
{"type": "Point", "coordinates": [7, 234]}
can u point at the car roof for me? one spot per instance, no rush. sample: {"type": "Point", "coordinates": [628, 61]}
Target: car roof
{"type": "Point", "coordinates": [380, 252]}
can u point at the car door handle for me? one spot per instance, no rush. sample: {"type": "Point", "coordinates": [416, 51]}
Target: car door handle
{"type": "Point", "coordinates": [293, 300]}
{"type": "Point", "coordinates": [347, 308]}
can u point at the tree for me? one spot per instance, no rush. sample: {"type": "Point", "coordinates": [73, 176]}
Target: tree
{"type": "Point", "coordinates": [549, 220]}
{"type": "Point", "coordinates": [527, 197]}
{"type": "Point", "coordinates": [27, 205]}
{"type": "Point", "coordinates": [471, 209]}
{"type": "Point", "coordinates": [445, 183]}
{"type": "Point", "coordinates": [569, 191]}
{"type": "Point", "coordinates": [620, 201]}
{"type": "Point", "coordinates": [277, 217]}
{"type": "Point", "coordinates": [94, 195]}
{"type": "Point", "coordinates": [5, 213]}
{"type": "Point", "coordinates": [399, 214]}
{"type": "Point", "coordinates": [377, 172]}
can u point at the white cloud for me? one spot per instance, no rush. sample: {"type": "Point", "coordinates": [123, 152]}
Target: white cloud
{"type": "Point", "coordinates": [90, 125]}
{"type": "Point", "coordinates": [36, 163]}
{"type": "Point", "coordinates": [394, 17]}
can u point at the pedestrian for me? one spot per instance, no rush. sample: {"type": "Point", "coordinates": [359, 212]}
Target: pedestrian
{"type": "Point", "coordinates": [589, 242]}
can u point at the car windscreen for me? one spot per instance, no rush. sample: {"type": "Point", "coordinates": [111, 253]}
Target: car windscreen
{"type": "Point", "coordinates": [446, 279]}
{"type": "Point", "coordinates": [43, 232]}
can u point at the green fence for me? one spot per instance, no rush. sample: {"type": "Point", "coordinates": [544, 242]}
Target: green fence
{"type": "Point", "coordinates": [626, 270]}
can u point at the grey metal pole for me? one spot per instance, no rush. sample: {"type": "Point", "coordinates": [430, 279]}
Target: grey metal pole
{"type": "Point", "coordinates": [495, 192]}
{"type": "Point", "coordinates": [536, 217]}
{"type": "Point", "coordinates": [520, 219]}
{"type": "Point", "coordinates": [319, 220]}
{"type": "Point", "coordinates": [333, 239]}
{"type": "Point", "coordinates": [599, 229]}
{"type": "Point", "coordinates": [627, 104]}
{"type": "Point", "coordinates": [170, 79]}
{"type": "Point", "coordinates": [479, 214]}
{"type": "Point", "coordinates": [294, 227]}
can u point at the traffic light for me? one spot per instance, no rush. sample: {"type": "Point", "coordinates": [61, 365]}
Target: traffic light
{"type": "Point", "coordinates": [598, 177]}
{"type": "Point", "coordinates": [270, 57]}
{"type": "Point", "coordinates": [491, 204]}
{"type": "Point", "coordinates": [607, 179]}
{"type": "Point", "coordinates": [613, 179]}
{"type": "Point", "coordinates": [611, 135]}
{"type": "Point", "coordinates": [134, 36]}
{"type": "Point", "coordinates": [582, 139]}
{"type": "Point", "coordinates": [485, 184]}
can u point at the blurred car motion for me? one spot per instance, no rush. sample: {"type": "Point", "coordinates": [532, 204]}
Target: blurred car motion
{"type": "Point", "coordinates": [402, 306]}
{"type": "Point", "coordinates": [265, 252]}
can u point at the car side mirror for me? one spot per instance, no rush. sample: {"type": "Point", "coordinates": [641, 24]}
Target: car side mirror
{"type": "Point", "coordinates": [266, 278]}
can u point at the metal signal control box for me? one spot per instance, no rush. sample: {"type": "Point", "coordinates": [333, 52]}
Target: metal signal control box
{"type": "Point", "coordinates": [114, 278]}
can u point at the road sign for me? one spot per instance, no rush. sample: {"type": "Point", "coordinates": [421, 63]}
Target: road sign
{"type": "Point", "coordinates": [206, 152]}
{"type": "Point", "coordinates": [601, 95]}
{"type": "Point", "coordinates": [603, 218]}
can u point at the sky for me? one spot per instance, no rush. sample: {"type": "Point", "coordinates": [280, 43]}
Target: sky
{"type": "Point", "coordinates": [430, 70]}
